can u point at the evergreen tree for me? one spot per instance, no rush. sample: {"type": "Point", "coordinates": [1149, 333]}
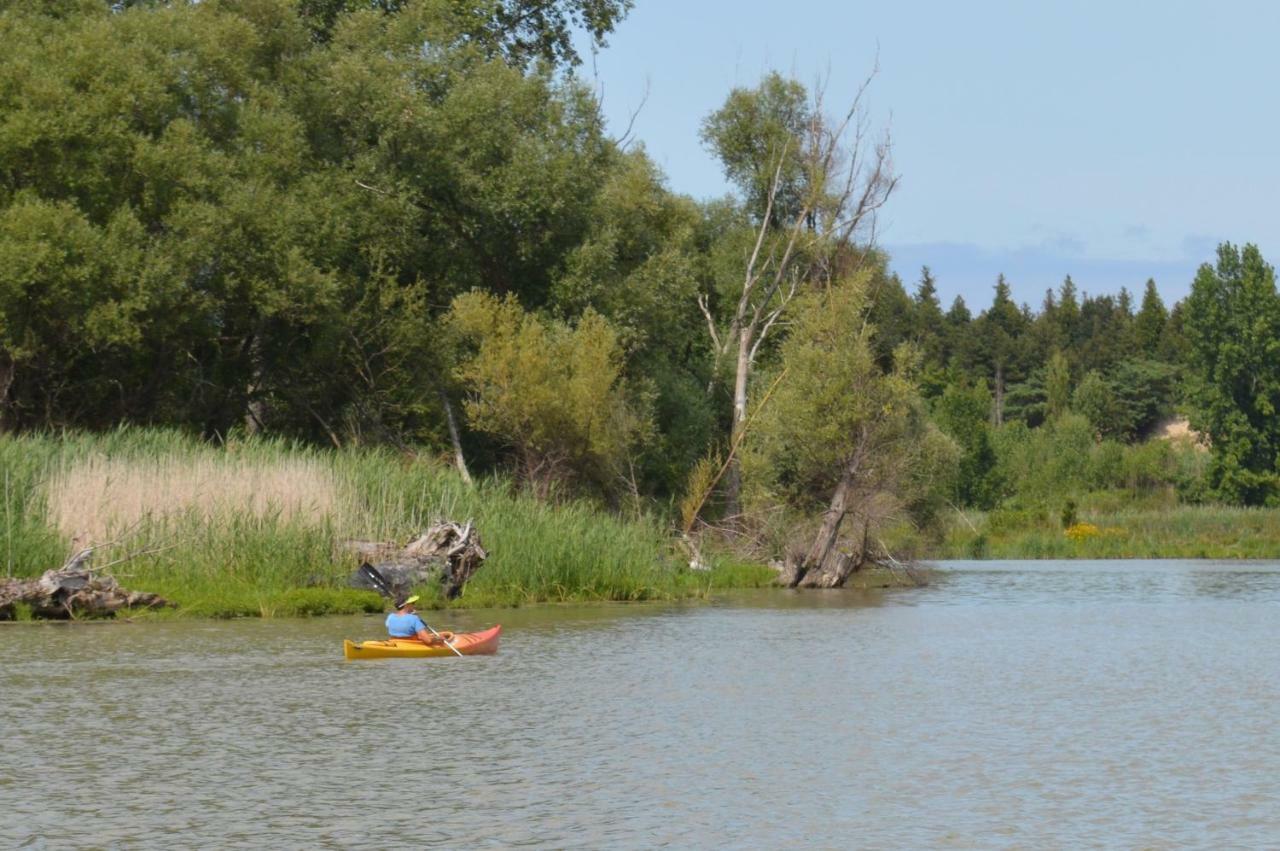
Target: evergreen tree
{"type": "Point", "coordinates": [1068, 314]}
{"type": "Point", "coordinates": [1148, 325]}
{"type": "Point", "coordinates": [1001, 328]}
{"type": "Point", "coordinates": [1124, 302]}
{"type": "Point", "coordinates": [928, 321]}
{"type": "Point", "coordinates": [961, 342]}
{"type": "Point", "coordinates": [893, 315]}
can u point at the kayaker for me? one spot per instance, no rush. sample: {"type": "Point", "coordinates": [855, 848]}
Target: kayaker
{"type": "Point", "coordinates": [405, 624]}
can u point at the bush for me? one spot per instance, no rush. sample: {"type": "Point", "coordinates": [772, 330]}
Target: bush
{"type": "Point", "coordinates": [1040, 465]}
{"type": "Point", "coordinates": [1014, 519]}
{"type": "Point", "coordinates": [1069, 514]}
{"type": "Point", "coordinates": [1107, 465]}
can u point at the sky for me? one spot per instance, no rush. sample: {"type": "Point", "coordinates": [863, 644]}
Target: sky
{"type": "Point", "coordinates": [1112, 141]}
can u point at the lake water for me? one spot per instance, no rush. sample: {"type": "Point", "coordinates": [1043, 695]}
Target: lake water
{"type": "Point", "coordinates": [1008, 705]}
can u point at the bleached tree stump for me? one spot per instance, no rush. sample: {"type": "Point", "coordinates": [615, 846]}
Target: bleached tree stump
{"type": "Point", "coordinates": [448, 553]}
{"type": "Point", "coordinates": [72, 591]}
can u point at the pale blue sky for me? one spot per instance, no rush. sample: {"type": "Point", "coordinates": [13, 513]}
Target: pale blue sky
{"type": "Point", "coordinates": [1110, 140]}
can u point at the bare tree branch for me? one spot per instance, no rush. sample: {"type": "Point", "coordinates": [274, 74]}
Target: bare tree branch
{"type": "Point", "coordinates": [711, 322]}
{"type": "Point", "coordinates": [625, 139]}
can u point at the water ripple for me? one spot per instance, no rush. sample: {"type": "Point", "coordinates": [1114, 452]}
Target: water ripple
{"type": "Point", "coordinates": [1009, 706]}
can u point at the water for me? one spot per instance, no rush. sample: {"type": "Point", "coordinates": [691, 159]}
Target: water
{"type": "Point", "coordinates": [1009, 705]}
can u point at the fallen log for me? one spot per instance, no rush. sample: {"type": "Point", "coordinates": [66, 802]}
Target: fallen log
{"type": "Point", "coordinates": [72, 591]}
{"type": "Point", "coordinates": [447, 553]}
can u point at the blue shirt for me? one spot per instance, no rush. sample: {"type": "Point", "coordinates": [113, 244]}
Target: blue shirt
{"type": "Point", "coordinates": [404, 626]}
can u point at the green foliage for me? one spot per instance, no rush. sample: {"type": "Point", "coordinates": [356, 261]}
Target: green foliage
{"type": "Point", "coordinates": [892, 313]}
{"type": "Point", "coordinates": [328, 220]}
{"type": "Point", "coordinates": [205, 192]}
{"type": "Point", "coordinates": [1233, 331]}
{"type": "Point", "coordinates": [928, 321]}
{"type": "Point", "coordinates": [759, 133]}
{"type": "Point", "coordinates": [1145, 393]}
{"type": "Point", "coordinates": [521, 31]}
{"type": "Point", "coordinates": [1040, 464]}
{"type": "Point", "coordinates": [239, 564]}
{"type": "Point", "coordinates": [1027, 400]}
{"type": "Point", "coordinates": [1002, 329]}
{"type": "Point", "coordinates": [1057, 385]}
{"type": "Point", "coordinates": [964, 413]}
{"type": "Point", "coordinates": [551, 392]}
{"type": "Point", "coordinates": [1128, 531]}
{"type": "Point", "coordinates": [1094, 401]}
{"type": "Point", "coordinates": [834, 408]}
{"type": "Point", "coordinates": [1149, 324]}
{"type": "Point", "coordinates": [639, 266]}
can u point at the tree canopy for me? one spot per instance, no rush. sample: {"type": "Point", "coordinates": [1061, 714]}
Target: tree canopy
{"type": "Point", "coordinates": [407, 222]}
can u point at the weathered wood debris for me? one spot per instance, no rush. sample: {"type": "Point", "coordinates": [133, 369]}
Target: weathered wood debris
{"type": "Point", "coordinates": [72, 591]}
{"type": "Point", "coordinates": [447, 553]}
{"type": "Point", "coordinates": [833, 567]}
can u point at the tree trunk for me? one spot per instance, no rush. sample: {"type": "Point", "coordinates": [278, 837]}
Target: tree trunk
{"type": "Point", "coordinates": [255, 407]}
{"type": "Point", "coordinates": [459, 460]}
{"type": "Point", "coordinates": [733, 475]}
{"type": "Point", "coordinates": [822, 566]}
{"type": "Point", "coordinates": [997, 414]}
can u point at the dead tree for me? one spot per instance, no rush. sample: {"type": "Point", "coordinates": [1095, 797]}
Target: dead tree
{"type": "Point", "coordinates": [847, 178]}
{"type": "Point", "coordinates": [878, 460]}
{"type": "Point", "coordinates": [71, 591]}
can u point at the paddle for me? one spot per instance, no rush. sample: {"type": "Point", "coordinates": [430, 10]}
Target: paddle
{"type": "Point", "coordinates": [384, 587]}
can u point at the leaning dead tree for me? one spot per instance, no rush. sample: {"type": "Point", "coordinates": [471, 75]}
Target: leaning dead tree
{"type": "Point", "coordinates": [447, 553]}
{"type": "Point", "coordinates": [826, 179]}
{"type": "Point", "coordinates": [71, 591]}
{"type": "Point", "coordinates": [879, 456]}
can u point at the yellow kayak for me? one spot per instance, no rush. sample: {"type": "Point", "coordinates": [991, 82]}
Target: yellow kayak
{"type": "Point", "coordinates": [467, 643]}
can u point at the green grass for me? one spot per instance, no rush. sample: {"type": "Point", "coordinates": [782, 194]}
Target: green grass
{"type": "Point", "coordinates": [282, 556]}
{"type": "Point", "coordinates": [1143, 531]}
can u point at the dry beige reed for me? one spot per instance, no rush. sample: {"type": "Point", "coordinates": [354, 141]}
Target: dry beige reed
{"type": "Point", "coordinates": [96, 498]}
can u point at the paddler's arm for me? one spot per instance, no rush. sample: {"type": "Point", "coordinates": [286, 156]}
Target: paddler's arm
{"type": "Point", "coordinates": [426, 637]}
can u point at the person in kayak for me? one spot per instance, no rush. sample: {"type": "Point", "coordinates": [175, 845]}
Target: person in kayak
{"type": "Point", "coordinates": [405, 624]}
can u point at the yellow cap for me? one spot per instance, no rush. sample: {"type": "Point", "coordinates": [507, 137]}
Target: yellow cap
{"type": "Point", "coordinates": [406, 601]}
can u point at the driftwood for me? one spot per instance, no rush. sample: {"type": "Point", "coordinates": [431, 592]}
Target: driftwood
{"type": "Point", "coordinates": [835, 568]}
{"type": "Point", "coordinates": [71, 591]}
{"type": "Point", "coordinates": [447, 553]}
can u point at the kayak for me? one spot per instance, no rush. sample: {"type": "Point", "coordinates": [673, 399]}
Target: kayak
{"type": "Point", "coordinates": [468, 644]}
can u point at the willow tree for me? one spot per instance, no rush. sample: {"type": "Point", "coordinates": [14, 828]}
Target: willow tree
{"type": "Point", "coordinates": [550, 391]}
{"type": "Point", "coordinates": [843, 439]}
{"type": "Point", "coordinates": [809, 186]}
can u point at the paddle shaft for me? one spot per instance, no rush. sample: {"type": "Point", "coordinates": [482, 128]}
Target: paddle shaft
{"type": "Point", "coordinates": [455, 650]}
{"type": "Point", "coordinates": [380, 582]}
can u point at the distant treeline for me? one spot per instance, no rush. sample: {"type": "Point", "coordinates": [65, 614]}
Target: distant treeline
{"type": "Point", "coordinates": [357, 223]}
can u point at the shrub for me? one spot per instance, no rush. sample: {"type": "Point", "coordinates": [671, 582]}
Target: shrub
{"type": "Point", "coordinates": [1082, 532]}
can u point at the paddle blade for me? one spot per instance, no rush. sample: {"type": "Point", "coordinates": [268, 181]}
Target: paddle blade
{"type": "Point", "coordinates": [376, 579]}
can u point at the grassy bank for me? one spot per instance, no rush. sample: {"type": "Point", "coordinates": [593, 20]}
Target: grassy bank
{"type": "Point", "coordinates": [256, 528]}
{"type": "Point", "coordinates": [1140, 531]}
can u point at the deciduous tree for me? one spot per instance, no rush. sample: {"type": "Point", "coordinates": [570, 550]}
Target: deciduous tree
{"type": "Point", "coordinates": [811, 186]}
{"type": "Point", "coordinates": [550, 391]}
{"type": "Point", "coordinates": [1233, 331]}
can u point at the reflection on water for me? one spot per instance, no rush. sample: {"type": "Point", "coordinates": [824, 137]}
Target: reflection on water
{"type": "Point", "coordinates": [1010, 704]}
